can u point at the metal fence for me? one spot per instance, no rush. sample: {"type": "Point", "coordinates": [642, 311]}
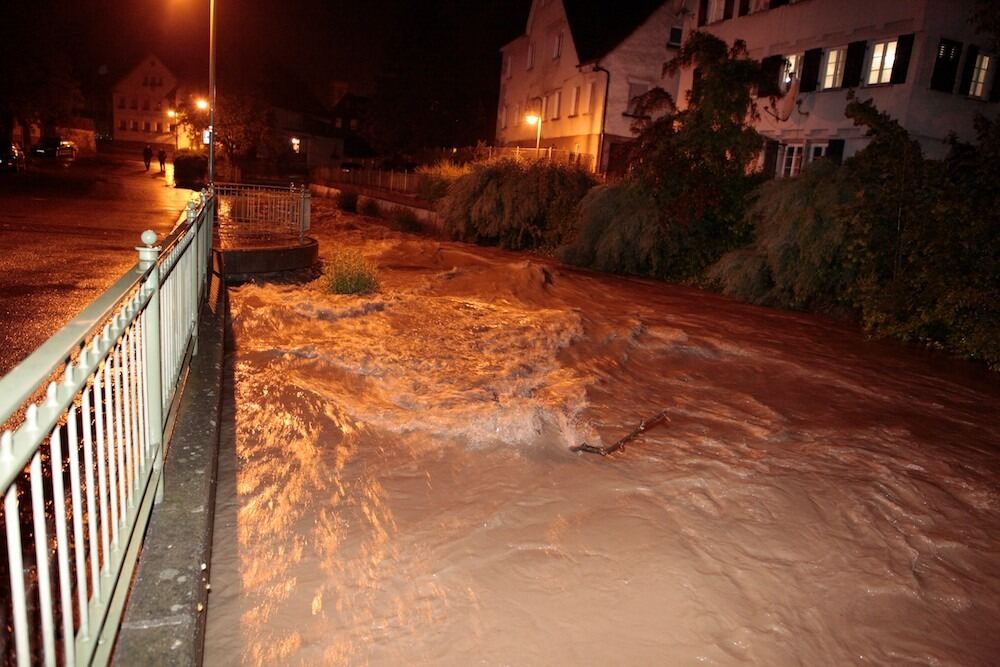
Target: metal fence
{"type": "Point", "coordinates": [384, 179]}
{"type": "Point", "coordinates": [263, 211]}
{"type": "Point", "coordinates": [80, 471]}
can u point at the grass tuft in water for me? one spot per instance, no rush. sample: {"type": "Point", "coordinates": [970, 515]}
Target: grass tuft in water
{"type": "Point", "coordinates": [348, 272]}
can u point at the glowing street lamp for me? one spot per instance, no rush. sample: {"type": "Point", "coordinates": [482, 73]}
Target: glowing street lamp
{"type": "Point", "coordinates": [535, 119]}
{"type": "Point", "coordinates": [201, 103]}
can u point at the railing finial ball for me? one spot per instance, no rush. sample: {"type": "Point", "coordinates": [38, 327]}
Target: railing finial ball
{"type": "Point", "coordinates": [149, 238]}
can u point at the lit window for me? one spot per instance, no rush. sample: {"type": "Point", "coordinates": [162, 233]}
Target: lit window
{"type": "Point", "coordinates": [531, 55]}
{"type": "Point", "coordinates": [978, 85]}
{"type": "Point", "coordinates": [791, 162]}
{"type": "Point", "coordinates": [790, 71]}
{"type": "Point", "coordinates": [296, 145]}
{"type": "Point", "coordinates": [833, 72]}
{"type": "Point", "coordinates": [557, 46]}
{"type": "Point", "coordinates": [883, 58]}
{"type": "Point", "coordinates": [574, 107]}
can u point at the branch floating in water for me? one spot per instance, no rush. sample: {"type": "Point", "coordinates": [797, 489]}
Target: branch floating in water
{"type": "Point", "coordinates": [643, 426]}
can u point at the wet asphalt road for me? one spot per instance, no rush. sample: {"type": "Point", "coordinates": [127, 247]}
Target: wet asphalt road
{"type": "Point", "coordinates": [67, 232]}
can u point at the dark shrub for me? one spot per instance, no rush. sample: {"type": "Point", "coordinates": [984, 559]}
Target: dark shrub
{"type": "Point", "coordinates": [798, 258]}
{"type": "Point", "coordinates": [370, 208]}
{"type": "Point", "coordinates": [405, 219]}
{"type": "Point", "coordinates": [514, 204]}
{"type": "Point", "coordinates": [347, 201]}
{"type": "Point", "coordinates": [434, 180]}
{"type": "Point", "coordinates": [190, 170]}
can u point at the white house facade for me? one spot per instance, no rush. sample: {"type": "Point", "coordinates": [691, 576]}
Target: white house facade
{"type": "Point", "coordinates": [921, 61]}
{"type": "Point", "coordinates": [579, 66]}
{"type": "Point", "coordinates": [140, 102]}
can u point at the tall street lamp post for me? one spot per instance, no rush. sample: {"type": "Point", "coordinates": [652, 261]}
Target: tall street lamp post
{"type": "Point", "coordinates": [536, 120]}
{"type": "Point", "coordinates": [211, 92]}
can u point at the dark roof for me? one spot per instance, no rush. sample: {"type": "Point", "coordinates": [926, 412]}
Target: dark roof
{"type": "Point", "coordinates": [598, 26]}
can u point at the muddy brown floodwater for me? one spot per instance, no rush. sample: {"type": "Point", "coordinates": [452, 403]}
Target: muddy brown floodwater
{"type": "Point", "coordinates": [396, 486]}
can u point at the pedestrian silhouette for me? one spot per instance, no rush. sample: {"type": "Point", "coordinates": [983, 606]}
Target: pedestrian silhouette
{"type": "Point", "coordinates": [162, 157]}
{"type": "Point", "coordinates": [147, 155]}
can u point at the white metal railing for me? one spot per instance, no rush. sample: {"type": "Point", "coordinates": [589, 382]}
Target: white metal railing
{"type": "Point", "coordinates": [87, 458]}
{"type": "Point", "coordinates": [263, 210]}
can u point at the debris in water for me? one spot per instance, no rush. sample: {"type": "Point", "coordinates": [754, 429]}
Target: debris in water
{"type": "Point", "coordinates": [643, 425]}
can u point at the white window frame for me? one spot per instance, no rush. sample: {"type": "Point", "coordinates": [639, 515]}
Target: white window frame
{"type": "Point", "coordinates": [574, 108]}
{"type": "Point", "coordinates": [790, 164]}
{"type": "Point", "coordinates": [556, 104]}
{"type": "Point", "coordinates": [811, 155]}
{"type": "Point", "coordinates": [670, 30]}
{"type": "Point", "coordinates": [977, 87]}
{"type": "Point", "coordinates": [882, 59]}
{"type": "Point", "coordinates": [716, 10]}
{"type": "Point", "coordinates": [833, 68]}
{"type": "Point", "coordinates": [589, 108]}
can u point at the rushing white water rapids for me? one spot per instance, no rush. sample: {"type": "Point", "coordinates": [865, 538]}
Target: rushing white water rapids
{"type": "Point", "coordinates": [396, 486]}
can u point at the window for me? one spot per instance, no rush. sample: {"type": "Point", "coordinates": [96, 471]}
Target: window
{"type": "Point", "coordinates": [883, 58]}
{"type": "Point", "coordinates": [145, 126]}
{"type": "Point", "coordinates": [503, 117]}
{"type": "Point", "coordinates": [556, 104]}
{"type": "Point", "coordinates": [816, 151]}
{"type": "Point", "coordinates": [531, 55]}
{"type": "Point", "coordinates": [676, 36]}
{"type": "Point", "coordinates": [791, 161]}
{"type": "Point", "coordinates": [159, 127]}
{"type": "Point", "coordinates": [517, 114]}
{"type": "Point", "coordinates": [354, 123]}
{"type": "Point", "coordinates": [135, 103]}
{"type": "Point", "coordinates": [978, 86]}
{"type": "Point", "coordinates": [121, 102]}
{"type": "Point", "coordinates": [714, 10]}
{"type": "Point", "coordinates": [574, 107]}
{"type": "Point", "coordinates": [135, 126]}
{"type": "Point", "coordinates": [545, 107]}
{"type": "Point", "coordinates": [833, 70]}
{"type": "Point", "coordinates": [949, 52]}
{"type": "Point", "coordinates": [791, 71]}
{"type": "Point", "coordinates": [589, 108]}
{"type": "Point", "coordinates": [557, 46]}
{"type": "Point", "coordinates": [635, 91]}
{"type": "Point", "coordinates": [122, 125]}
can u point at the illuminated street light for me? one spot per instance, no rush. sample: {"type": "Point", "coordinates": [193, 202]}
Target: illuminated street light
{"type": "Point", "coordinates": [202, 104]}
{"type": "Point", "coordinates": [535, 119]}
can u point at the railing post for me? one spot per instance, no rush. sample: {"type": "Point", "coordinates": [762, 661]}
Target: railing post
{"type": "Point", "coordinates": [192, 218]}
{"type": "Point", "coordinates": [148, 256]}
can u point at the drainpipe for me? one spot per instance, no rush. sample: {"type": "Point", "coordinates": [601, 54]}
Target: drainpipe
{"type": "Point", "coordinates": [604, 114]}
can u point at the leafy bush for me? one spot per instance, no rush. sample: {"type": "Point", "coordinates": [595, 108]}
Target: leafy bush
{"type": "Point", "coordinates": [434, 180]}
{"type": "Point", "coordinates": [369, 207]}
{"type": "Point", "coordinates": [190, 170]}
{"type": "Point", "coordinates": [406, 220]}
{"type": "Point", "coordinates": [347, 200]}
{"type": "Point", "coordinates": [348, 272]}
{"type": "Point", "coordinates": [798, 258]}
{"type": "Point", "coordinates": [515, 205]}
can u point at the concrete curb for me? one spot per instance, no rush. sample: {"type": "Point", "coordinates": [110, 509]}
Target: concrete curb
{"type": "Point", "coordinates": [164, 620]}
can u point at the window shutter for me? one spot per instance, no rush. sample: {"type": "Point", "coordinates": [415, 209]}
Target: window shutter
{"type": "Point", "coordinates": [835, 150]}
{"type": "Point", "coordinates": [727, 10]}
{"type": "Point", "coordinates": [949, 52]}
{"type": "Point", "coordinates": [770, 158]}
{"type": "Point", "coordinates": [854, 64]}
{"type": "Point", "coordinates": [702, 12]}
{"type": "Point", "coordinates": [770, 71]}
{"type": "Point", "coordinates": [995, 90]}
{"type": "Point", "coordinates": [904, 47]}
{"type": "Point", "coordinates": [744, 7]}
{"type": "Point", "coordinates": [967, 70]}
{"type": "Point", "coordinates": [810, 70]}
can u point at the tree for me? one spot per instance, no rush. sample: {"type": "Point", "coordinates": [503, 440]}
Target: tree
{"type": "Point", "coordinates": [244, 126]}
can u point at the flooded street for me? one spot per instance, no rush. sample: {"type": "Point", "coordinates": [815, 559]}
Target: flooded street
{"type": "Point", "coordinates": [396, 485]}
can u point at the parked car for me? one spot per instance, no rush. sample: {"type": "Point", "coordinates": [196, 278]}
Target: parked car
{"type": "Point", "coordinates": [54, 147]}
{"type": "Point", "coordinates": [11, 157]}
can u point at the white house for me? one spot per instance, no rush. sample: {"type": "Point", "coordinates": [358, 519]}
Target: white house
{"type": "Point", "coordinates": [140, 102]}
{"type": "Point", "coordinates": [579, 65]}
{"type": "Point", "coordinates": [919, 60]}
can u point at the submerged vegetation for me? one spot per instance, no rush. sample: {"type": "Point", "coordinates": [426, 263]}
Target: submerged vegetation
{"type": "Point", "coordinates": [348, 272]}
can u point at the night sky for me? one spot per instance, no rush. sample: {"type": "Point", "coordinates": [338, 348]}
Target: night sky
{"type": "Point", "coordinates": [322, 40]}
